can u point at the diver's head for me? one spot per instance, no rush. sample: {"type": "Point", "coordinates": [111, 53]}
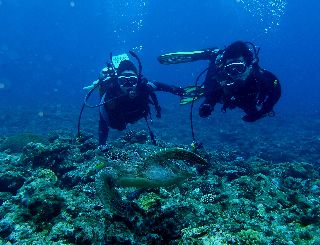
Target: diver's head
{"type": "Point", "coordinates": [236, 50]}
{"type": "Point", "coordinates": [235, 65]}
{"type": "Point", "coordinates": [128, 78]}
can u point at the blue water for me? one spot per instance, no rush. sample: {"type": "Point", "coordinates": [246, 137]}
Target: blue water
{"type": "Point", "coordinates": [49, 49]}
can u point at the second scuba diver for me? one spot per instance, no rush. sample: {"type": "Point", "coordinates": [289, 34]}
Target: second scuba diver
{"type": "Point", "coordinates": [234, 79]}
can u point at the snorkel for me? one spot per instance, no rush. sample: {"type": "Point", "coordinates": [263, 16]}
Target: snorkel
{"type": "Point", "coordinates": [255, 51]}
{"type": "Point", "coordinates": [134, 55]}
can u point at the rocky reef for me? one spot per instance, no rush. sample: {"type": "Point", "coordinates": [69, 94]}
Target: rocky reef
{"type": "Point", "coordinates": [64, 190]}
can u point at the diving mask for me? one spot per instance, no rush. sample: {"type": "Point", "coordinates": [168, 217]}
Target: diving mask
{"type": "Point", "coordinates": [128, 85]}
{"type": "Point", "coordinates": [236, 73]}
{"type": "Point", "coordinates": [235, 68]}
{"type": "Point", "coordinates": [128, 81]}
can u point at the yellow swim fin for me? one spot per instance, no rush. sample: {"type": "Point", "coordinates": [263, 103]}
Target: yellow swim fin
{"type": "Point", "coordinates": [191, 93]}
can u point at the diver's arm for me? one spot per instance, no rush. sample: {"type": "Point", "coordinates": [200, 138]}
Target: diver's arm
{"type": "Point", "coordinates": [158, 86]}
{"type": "Point", "coordinates": [272, 91]}
{"type": "Point", "coordinates": [151, 92]}
{"type": "Point", "coordinates": [212, 95]}
{"type": "Point", "coordinates": [210, 53]}
{"type": "Point", "coordinates": [155, 102]}
{"type": "Point", "coordinates": [207, 106]}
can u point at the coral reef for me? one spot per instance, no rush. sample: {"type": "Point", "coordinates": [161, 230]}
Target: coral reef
{"type": "Point", "coordinates": [132, 192]}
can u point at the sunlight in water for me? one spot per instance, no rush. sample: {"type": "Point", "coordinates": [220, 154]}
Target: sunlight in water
{"type": "Point", "coordinates": [267, 12]}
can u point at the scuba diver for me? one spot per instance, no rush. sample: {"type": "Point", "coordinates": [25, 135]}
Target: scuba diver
{"type": "Point", "coordinates": [126, 95]}
{"type": "Point", "coordinates": [234, 79]}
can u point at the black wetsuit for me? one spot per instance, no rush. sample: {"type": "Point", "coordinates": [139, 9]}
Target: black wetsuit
{"type": "Point", "coordinates": [121, 110]}
{"type": "Point", "coordinates": [256, 98]}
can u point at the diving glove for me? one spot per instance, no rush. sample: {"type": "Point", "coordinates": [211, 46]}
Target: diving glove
{"type": "Point", "coordinates": [178, 91]}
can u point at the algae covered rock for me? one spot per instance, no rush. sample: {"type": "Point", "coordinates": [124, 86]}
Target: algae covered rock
{"type": "Point", "coordinates": [163, 169]}
{"type": "Point", "coordinates": [73, 193]}
{"type": "Point", "coordinates": [41, 196]}
{"type": "Point", "coordinates": [157, 170]}
{"type": "Point", "coordinates": [11, 181]}
{"type": "Point", "coordinates": [149, 200]}
{"type": "Point", "coordinates": [251, 237]}
{"type": "Point", "coordinates": [136, 137]}
{"type": "Point", "coordinates": [12, 173]}
{"type": "Point", "coordinates": [155, 176]}
{"type": "Point", "coordinates": [16, 143]}
{"type": "Point", "coordinates": [109, 196]}
{"type": "Point", "coordinates": [176, 154]}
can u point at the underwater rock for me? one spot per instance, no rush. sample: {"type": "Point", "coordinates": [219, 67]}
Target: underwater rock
{"type": "Point", "coordinates": [75, 194]}
{"type": "Point", "coordinates": [158, 171]}
{"type": "Point", "coordinates": [149, 200]}
{"type": "Point", "coordinates": [152, 181]}
{"type": "Point", "coordinates": [110, 197]}
{"type": "Point", "coordinates": [11, 181]}
{"type": "Point", "coordinates": [45, 206]}
{"type": "Point", "coordinates": [176, 154]}
{"type": "Point", "coordinates": [37, 154]}
{"type": "Point", "coordinates": [41, 196]}
{"type": "Point", "coordinates": [299, 170]}
{"type": "Point", "coordinates": [251, 237]}
{"type": "Point", "coordinates": [12, 173]}
{"type": "Point", "coordinates": [17, 142]}
{"type": "Point", "coordinates": [135, 137]}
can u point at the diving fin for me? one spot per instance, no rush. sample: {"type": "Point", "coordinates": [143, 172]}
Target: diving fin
{"type": "Point", "coordinates": [185, 57]}
{"type": "Point", "coordinates": [191, 93]}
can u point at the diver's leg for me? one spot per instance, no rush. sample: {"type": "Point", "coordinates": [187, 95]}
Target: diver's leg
{"type": "Point", "coordinates": [157, 86]}
{"type": "Point", "coordinates": [103, 132]}
{"type": "Point", "coordinates": [103, 126]}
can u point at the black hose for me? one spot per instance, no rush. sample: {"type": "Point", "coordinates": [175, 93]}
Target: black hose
{"type": "Point", "coordinates": [79, 119]}
{"type": "Point", "coordinates": [192, 104]}
{"type": "Point", "coordinates": [85, 103]}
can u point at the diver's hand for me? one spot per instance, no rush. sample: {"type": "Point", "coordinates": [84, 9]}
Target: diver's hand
{"type": "Point", "coordinates": [205, 110]}
{"type": "Point", "coordinates": [106, 73]}
{"type": "Point", "coordinates": [178, 91]}
{"type": "Point", "coordinates": [91, 86]}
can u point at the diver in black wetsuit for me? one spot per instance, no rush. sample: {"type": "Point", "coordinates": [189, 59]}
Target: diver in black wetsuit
{"type": "Point", "coordinates": [126, 96]}
{"type": "Point", "coordinates": [234, 79]}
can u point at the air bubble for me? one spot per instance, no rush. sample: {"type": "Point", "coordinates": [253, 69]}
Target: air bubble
{"type": "Point", "coordinates": [268, 12]}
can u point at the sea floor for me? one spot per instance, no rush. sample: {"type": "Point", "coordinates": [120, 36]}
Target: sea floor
{"type": "Point", "coordinates": [251, 183]}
